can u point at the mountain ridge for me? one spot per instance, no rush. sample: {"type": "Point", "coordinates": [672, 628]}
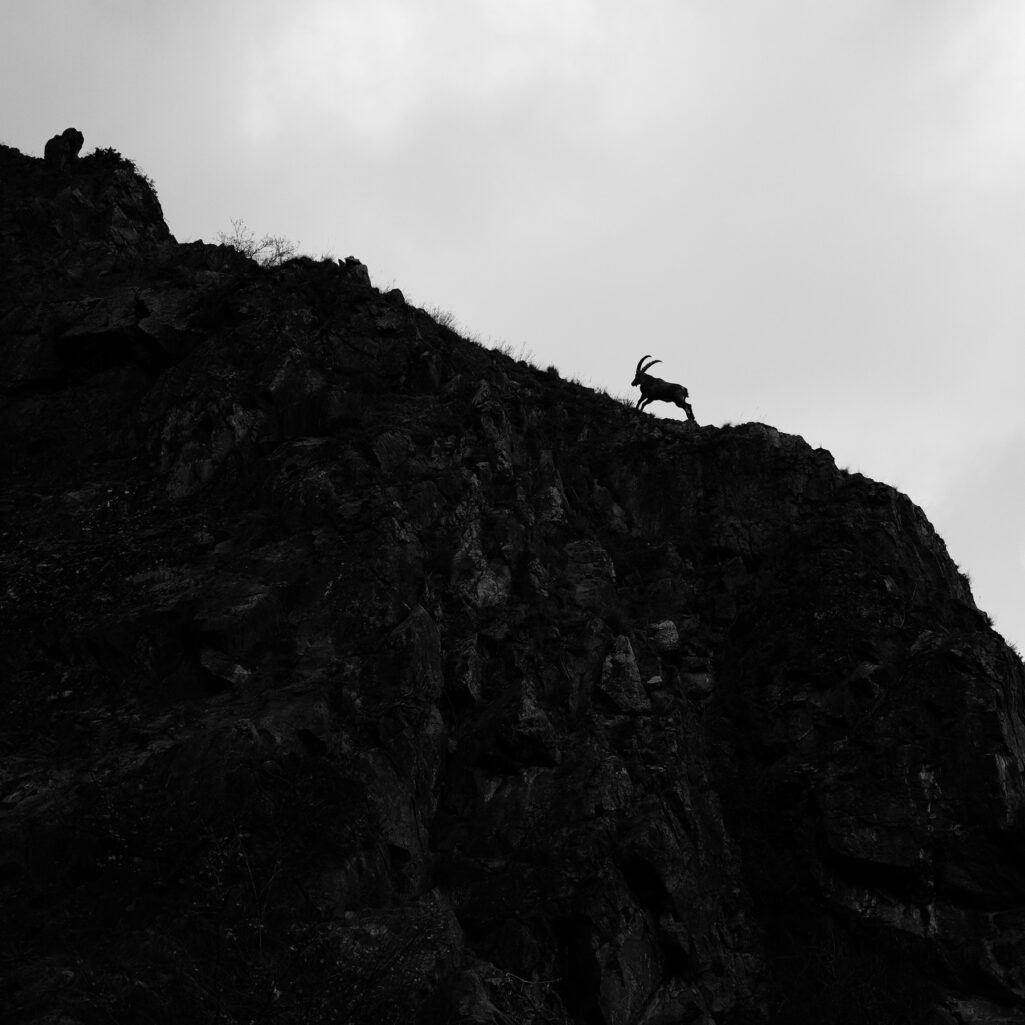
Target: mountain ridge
{"type": "Point", "coordinates": [356, 671]}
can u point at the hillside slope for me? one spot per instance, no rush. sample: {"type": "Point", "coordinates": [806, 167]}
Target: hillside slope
{"type": "Point", "coordinates": [354, 672]}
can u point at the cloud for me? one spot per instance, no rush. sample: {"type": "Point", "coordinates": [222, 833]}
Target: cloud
{"type": "Point", "coordinates": [972, 86]}
{"type": "Point", "coordinates": [377, 70]}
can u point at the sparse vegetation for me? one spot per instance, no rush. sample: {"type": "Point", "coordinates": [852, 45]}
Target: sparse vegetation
{"type": "Point", "coordinates": [268, 251]}
{"type": "Point", "coordinates": [109, 156]}
{"type": "Point", "coordinates": [443, 318]}
{"type": "Point", "coordinates": [522, 355]}
{"type": "Point", "coordinates": [447, 319]}
{"type": "Point", "coordinates": [111, 159]}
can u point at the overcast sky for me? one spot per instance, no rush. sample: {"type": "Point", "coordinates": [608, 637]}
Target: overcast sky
{"type": "Point", "coordinates": [812, 210]}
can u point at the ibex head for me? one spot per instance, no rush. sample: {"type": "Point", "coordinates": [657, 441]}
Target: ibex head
{"type": "Point", "coordinates": [641, 371]}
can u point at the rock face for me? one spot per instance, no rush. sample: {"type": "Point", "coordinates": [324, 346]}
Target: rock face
{"type": "Point", "coordinates": [355, 673]}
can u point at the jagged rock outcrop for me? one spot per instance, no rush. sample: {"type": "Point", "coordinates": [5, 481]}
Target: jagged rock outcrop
{"type": "Point", "coordinates": [354, 672]}
{"type": "Point", "coordinates": [62, 150]}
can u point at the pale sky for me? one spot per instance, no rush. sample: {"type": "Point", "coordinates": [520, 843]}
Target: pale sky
{"type": "Point", "coordinates": [812, 210]}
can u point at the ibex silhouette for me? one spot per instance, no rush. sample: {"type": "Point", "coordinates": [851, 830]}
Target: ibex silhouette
{"type": "Point", "coordinates": [654, 389]}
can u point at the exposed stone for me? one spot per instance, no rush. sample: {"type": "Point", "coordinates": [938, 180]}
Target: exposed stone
{"type": "Point", "coordinates": [621, 679]}
{"type": "Point", "coordinates": [62, 149]}
{"type": "Point", "coordinates": [590, 571]}
{"type": "Point", "coordinates": [665, 638]}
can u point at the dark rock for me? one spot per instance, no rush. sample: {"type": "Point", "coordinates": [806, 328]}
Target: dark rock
{"type": "Point", "coordinates": [63, 149]}
{"type": "Point", "coordinates": [354, 672]}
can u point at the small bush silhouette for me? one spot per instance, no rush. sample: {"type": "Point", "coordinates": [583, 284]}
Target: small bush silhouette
{"type": "Point", "coordinates": [269, 251]}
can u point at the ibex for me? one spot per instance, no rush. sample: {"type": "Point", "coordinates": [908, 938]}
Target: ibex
{"type": "Point", "coordinates": [654, 389]}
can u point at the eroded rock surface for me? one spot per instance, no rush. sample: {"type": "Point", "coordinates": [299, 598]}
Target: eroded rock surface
{"type": "Point", "coordinates": [353, 672]}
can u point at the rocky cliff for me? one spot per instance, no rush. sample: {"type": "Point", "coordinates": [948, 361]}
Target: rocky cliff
{"type": "Point", "coordinates": [353, 672]}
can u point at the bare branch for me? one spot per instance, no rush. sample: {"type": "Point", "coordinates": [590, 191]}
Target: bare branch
{"type": "Point", "coordinates": [269, 251]}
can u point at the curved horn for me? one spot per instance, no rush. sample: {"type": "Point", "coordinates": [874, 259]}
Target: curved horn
{"type": "Point", "coordinates": [640, 369]}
